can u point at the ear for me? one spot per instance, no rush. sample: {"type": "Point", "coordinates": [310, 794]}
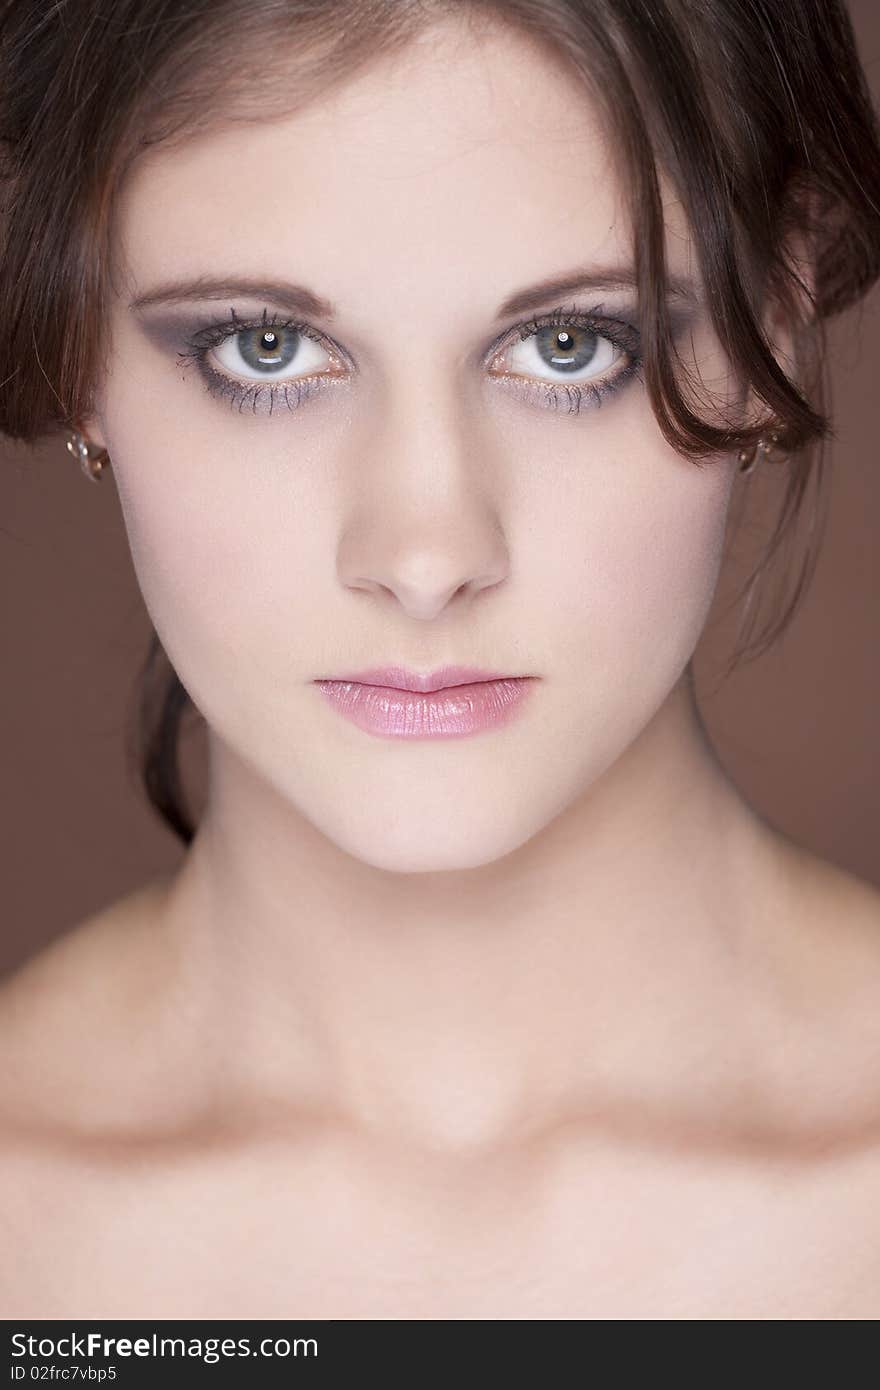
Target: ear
{"type": "Point", "coordinates": [90, 427]}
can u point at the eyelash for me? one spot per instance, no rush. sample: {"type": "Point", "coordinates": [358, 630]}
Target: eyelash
{"type": "Point", "coordinates": [255, 395]}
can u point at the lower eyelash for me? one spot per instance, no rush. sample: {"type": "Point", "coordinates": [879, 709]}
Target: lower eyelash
{"type": "Point", "coordinates": [260, 397]}
{"type": "Point", "coordinates": [571, 398]}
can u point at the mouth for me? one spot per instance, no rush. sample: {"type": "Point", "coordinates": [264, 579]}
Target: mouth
{"type": "Point", "coordinates": [401, 678]}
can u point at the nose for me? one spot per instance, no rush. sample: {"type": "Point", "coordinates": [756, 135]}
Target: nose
{"type": "Point", "coordinates": [424, 527]}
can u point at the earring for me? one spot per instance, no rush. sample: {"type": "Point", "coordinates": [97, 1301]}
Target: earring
{"type": "Point", "coordinates": [92, 459]}
{"type": "Point", "coordinates": [764, 449]}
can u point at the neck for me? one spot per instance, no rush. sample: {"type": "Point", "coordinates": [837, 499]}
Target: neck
{"type": "Point", "coordinates": [599, 963]}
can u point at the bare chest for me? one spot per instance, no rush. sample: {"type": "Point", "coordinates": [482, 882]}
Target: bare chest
{"type": "Point", "coordinates": [296, 1239]}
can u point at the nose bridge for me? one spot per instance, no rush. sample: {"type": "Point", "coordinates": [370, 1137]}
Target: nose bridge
{"type": "Point", "coordinates": [425, 522]}
{"type": "Point", "coordinates": [426, 437]}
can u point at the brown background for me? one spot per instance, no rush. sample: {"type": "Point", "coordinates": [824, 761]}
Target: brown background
{"type": "Point", "coordinates": [797, 730]}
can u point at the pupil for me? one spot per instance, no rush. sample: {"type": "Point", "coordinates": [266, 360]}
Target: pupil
{"type": "Point", "coordinates": [269, 340]}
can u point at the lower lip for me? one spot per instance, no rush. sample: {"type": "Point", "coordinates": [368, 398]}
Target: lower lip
{"type": "Point", "coordinates": [452, 712]}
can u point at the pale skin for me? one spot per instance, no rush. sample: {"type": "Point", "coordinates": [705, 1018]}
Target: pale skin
{"type": "Point", "coordinates": [545, 1022]}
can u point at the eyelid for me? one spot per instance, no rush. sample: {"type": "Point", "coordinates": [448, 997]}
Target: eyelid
{"type": "Point", "coordinates": [619, 331]}
{"type": "Point", "coordinates": [221, 330]}
{"type": "Point", "coordinates": [593, 316]}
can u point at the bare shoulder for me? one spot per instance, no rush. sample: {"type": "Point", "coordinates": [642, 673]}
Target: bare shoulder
{"type": "Point", "coordinates": [72, 1008]}
{"type": "Point", "coordinates": [822, 969]}
{"type": "Point", "coordinates": [836, 914]}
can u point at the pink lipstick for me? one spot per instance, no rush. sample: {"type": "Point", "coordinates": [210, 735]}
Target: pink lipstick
{"type": "Point", "coordinates": [450, 702]}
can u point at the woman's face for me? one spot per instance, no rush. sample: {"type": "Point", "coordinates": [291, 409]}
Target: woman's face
{"type": "Point", "coordinates": [400, 489]}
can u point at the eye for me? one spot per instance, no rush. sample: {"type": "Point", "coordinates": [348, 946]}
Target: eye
{"type": "Point", "coordinates": [569, 359]}
{"type": "Point", "coordinates": [258, 364]}
{"type": "Point", "coordinates": [573, 352]}
{"type": "Point", "coordinates": [269, 352]}
{"type": "Point", "coordinates": [566, 348]}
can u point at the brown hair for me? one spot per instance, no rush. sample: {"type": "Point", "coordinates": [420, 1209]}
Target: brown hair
{"type": "Point", "coordinates": [759, 112]}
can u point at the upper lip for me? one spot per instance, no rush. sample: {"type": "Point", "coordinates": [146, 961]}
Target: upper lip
{"type": "Point", "coordinates": [399, 678]}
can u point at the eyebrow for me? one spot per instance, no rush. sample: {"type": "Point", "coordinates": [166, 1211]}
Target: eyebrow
{"type": "Point", "coordinates": [298, 299]}
{"type": "Point", "coordinates": [605, 278]}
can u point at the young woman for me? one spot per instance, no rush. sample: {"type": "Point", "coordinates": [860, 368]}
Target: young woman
{"type": "Point", "coordinates": [429, 347]}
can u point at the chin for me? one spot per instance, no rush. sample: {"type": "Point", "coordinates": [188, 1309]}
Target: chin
{"type": "Point", "coordinates": [402, 848]}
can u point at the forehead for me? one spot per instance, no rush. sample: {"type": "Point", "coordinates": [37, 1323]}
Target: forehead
{"type": "Point", "coordinates": [448, 173]}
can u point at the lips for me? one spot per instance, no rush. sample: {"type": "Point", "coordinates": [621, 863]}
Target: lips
{"type": "Point", "coordinates": [450, 711]}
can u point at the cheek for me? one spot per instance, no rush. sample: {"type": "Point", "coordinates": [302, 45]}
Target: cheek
{"type": "Point", "coordinates": [227, 547]}
{"type": "Point", "coordinates": [627, 567]}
